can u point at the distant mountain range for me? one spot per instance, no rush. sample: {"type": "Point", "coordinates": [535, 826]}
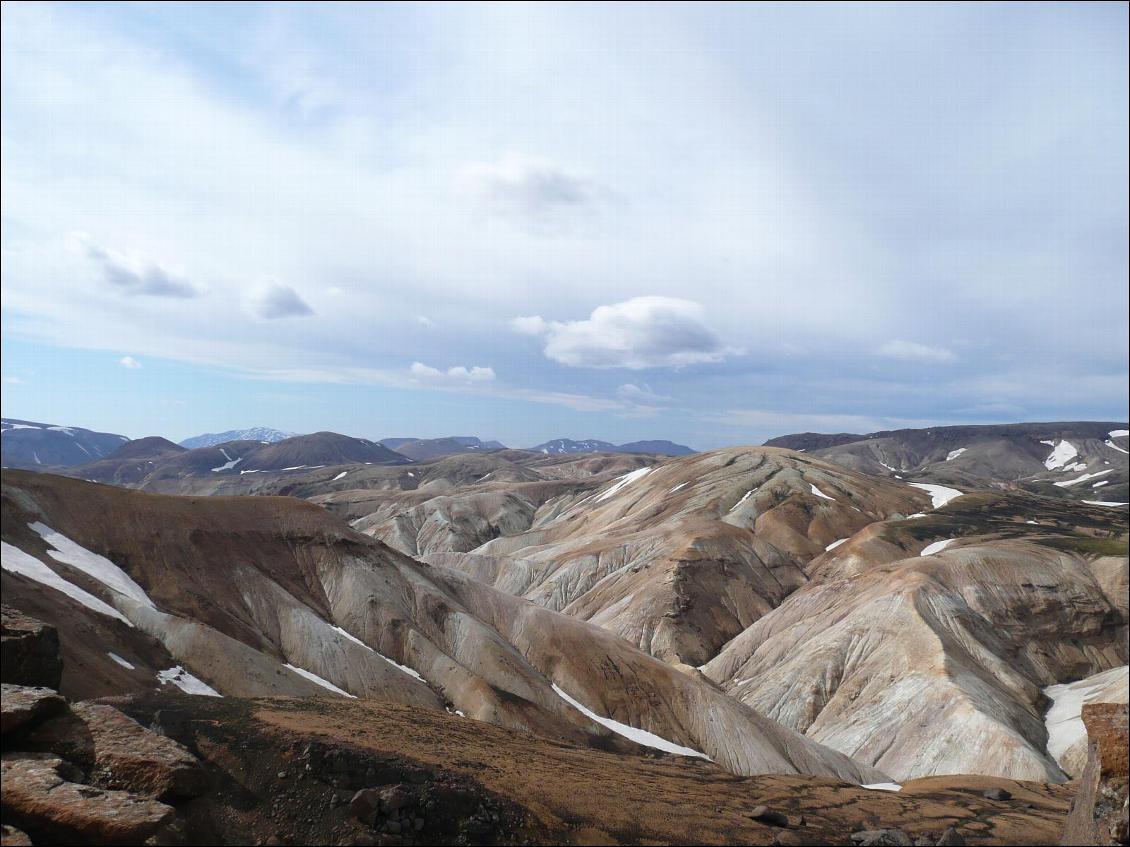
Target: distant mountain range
{"type": "Point", "coordinates": [422, 449]}
{"type": "Point", "coordinates": [593, 445]}
{"type": "Point", "coordinates": [1078, 459]}
{"type": "Point", "coordinates": [27, 444]}
{"type": "Point", "coordinates": [264, 434]}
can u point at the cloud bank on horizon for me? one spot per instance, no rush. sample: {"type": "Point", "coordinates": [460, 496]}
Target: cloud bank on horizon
{"type": "Point", "coordinates": [706, 223]}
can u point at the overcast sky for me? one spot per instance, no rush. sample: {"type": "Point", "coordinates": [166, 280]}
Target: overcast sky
{"type": "Point", "coordinates": [713, 224]}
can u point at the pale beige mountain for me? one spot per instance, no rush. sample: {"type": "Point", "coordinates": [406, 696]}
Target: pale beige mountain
{"type": "Point", "coordinates": [680, 557]}
{"type": "Point", "coordinates": [934, 664]}
{"type": "Point", "coordinates": [267, 596]}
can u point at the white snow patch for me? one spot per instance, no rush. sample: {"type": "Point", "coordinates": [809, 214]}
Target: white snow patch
{"type": "Point", "coordinates": [819, 493]}
{"type": "Point", "coordinates": [1061, 454]}
{"type": "Point", "coordinates": [1064, 719]}
{"type": "Point", "coordinates": [17, 561]}
{"type": "Point", "coordinates": [677, 487]}
{"type": "Point", "coordinates": [1119, 433]}
{"type": "Point", "coordinates": [640, 736]}
{"type": "Point", "coordinates": [339, 476]}
{"type": "Point", "coordinates": [313, 677]}
{"type": "Point", "coordinates": [883, 786]}
{"type": "Point", "coordinates": [1084, 478]}
{"type": "Point", "coordinates": [939, 494]}
{"type": "Point", "coordinates": [357, 640]}
{"type": "Point", "coordinates": [1105, 503]}
{"type": "Point", "coordinates": [745, 497]}
{"type": "Point", "coordinates": [834, 544]}
{"type": "Point", "coordinates": [228, 465]}
{"type": "Point", "coordinates": [936, 547]}
{"type": "Point", "coordinates": [1101, 483]}
{"type": "Point", "coordinates": [626, 479]}
{"type": "Point", "coordinates": [121, 661]}
{"type": "Point", "coordinates": [91, 564]}
{"type": "Point", "coordinates": [186, 682]}
{"type": "Point", "coordinates": [1114, 446]}
{"type": "Point", "coordinates": [953, 454]}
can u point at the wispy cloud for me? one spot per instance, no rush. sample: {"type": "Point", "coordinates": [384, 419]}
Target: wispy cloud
{"type": "Point", "coordinates": [133, 272]}
{"type": "Point", "coordinates": [458, 373]}
{"type": "Point", "coordinates": [912, 351]}
{"type": "Point", "coordinates": [129, 362]}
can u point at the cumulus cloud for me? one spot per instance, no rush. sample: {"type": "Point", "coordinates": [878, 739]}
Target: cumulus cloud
{"type": "Point", "coordinates": [133, 272]}
{"type": "Point", "coordinates": [271, 300]}
{"type": "Point", "coordinates": [425, 322]}
{"type": "Point", "coordinates": [458, 373]}
{"type": "Point", "coordinates": [644, 332]}
{"type": "Point", "coordinates": [912, 351]}
{"type": "Point", "coordinates": [129, 362]}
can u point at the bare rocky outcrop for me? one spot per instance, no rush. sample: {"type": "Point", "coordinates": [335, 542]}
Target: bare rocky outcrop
{"type": "Point", "coordinates": [29, 650]}
{"type": "Point", "coordinates": [119, 753]}
{"type": "Point", "coordinates": [23, 706]}
{"type": "Point", "coordinates": [1098, 813]}
{"type": "Point", "coordinates": [43, 802]}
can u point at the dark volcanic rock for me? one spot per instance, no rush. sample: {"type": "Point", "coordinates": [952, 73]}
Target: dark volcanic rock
{"type": "Point", "coordinates": [23, 706]}
{"type": "Point", "coordinates": [38, 799]}
{"type": "Point", "coordinates": [29, 650]}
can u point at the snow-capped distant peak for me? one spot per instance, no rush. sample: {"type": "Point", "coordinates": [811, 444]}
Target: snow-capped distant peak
{"type": "Point", "coordinates": [262, 434]}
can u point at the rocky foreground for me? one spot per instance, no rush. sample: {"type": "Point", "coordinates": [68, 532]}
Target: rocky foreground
{"type": "Point", "coordinates": [166, 768]}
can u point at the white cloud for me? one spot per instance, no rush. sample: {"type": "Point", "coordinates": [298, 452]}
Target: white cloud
{"type": "Point", "coordinates": [425, 322]}
{"type": "Point", "coordinates": [271, 300]}
{"type": "Point", "coordinates": [912, 351]}
{"type": "Point", "coordinates": [632, 393]}
{"type": "Point", "coordinates": [458, 373]}
{"type": "Point", "coordinates": [533, 325]}
{"type": "Point", "coordinates": [644, 332]}
{"type": "Point", "coordinates": [12, 380]}
{"type": "Point", "coordinates": [534, 192]}
{"type": "Point", "coordinates": [132, 272]}
{"type": "Point", "coordinates": [129, 362]}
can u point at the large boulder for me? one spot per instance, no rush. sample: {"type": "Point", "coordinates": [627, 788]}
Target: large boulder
{"type": "Point", "coordinates": [22, 706]}
{"type": "Point", "coordinates": [1099, 812]}
{"type": "Point", "coordinates": [29, 650]}
{"type": "Point", "coordinates": [129, 756]}
{"type": "Point", "coordinates": [38, 799]}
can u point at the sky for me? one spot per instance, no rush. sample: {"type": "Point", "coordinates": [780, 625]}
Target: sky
{"type": "Point", "coordinates": [708, 223]}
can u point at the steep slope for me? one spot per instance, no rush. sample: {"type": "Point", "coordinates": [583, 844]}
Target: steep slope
{"type": "Point", "coordinates": [922, 645]}
{"type": "Point", "coordinates": [27, 444]}
{"type": "Point", "coordinates": [262, 434]}
{"type": "Point", "coordinates": [1076, 460]}
{"type": "Point", "coordinates": [681, 556]}
{"type": "Point", "coordinates": [264, 595]}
